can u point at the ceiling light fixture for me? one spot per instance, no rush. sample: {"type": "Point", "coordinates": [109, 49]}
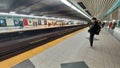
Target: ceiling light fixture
{"type": "Point", "coordinates": [12, 12]}
{"type": "Point", "coordinates": [72, 6]}
{"type": "Point", "coordinates": [32, 14]}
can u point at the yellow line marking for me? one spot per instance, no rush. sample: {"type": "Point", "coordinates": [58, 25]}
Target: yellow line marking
{"type": "Point", "coordinates": [9, 63]}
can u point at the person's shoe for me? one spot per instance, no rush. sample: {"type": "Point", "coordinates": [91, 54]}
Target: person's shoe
{"type": "Point", "coordinates": [91, 47]}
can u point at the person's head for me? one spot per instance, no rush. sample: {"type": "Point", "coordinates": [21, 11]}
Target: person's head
{"type": "Point", "coordinates": [93, 19]}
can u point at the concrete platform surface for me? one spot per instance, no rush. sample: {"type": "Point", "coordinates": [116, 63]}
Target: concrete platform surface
{"type": "Point", "coordinates": [104, 54]}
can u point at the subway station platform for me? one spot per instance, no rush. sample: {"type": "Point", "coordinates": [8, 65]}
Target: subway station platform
{"type": "Point", "coordinates": [33, 34]}
{"type": "Point", "coordinates": [75, 52]}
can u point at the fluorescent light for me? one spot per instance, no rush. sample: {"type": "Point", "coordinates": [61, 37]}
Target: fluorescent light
{"type": "Point", "coordinates": [2, 13]}
{"type": "Point", "coordinates": [12, 12]}
{"type": "Point", "coordinates": [72, 6]}
{"type": "Point", "coordinates": [114, 20]}
{"type": "Point", "coordinates": [32, 14]}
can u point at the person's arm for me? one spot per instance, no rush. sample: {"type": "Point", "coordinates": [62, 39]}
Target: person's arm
{"type": "Point", "coordinates": [91, 27]}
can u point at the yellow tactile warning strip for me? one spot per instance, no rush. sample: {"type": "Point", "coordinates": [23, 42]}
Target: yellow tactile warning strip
{"type": "Point", "coordinates": [9, 63]}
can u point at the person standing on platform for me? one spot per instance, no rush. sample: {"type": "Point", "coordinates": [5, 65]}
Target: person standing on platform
{"type": "Point", "coordinates": [114, 25]}
{"type": "Point", "coordinates": [93, 30]}
{"type": "Point", "coordinates": [110, 25]}
{"type": "Point", "coordinates": [103, 24]}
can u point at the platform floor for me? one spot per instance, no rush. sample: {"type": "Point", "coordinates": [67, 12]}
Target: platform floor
{"type": "Point", "coordinates": [104, 54]}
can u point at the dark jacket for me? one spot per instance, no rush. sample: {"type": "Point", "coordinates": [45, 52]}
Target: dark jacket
{"type": "Point", "coordinates": [94, 28]}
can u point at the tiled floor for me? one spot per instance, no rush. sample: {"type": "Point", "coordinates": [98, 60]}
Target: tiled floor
{"type": "Point", "coordinates": [104, 54]}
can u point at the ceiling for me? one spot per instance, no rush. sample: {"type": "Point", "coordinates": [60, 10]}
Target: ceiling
{"type": "Point", "coordinates": [97, 8]}
{"type": "Point", "coordinates": [55, 8]}
{"type": "Point", "coordinates": [50, 8]}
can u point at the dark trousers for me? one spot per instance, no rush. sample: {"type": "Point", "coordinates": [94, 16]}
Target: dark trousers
{"type": "Point", "coordinates": [91, 39]}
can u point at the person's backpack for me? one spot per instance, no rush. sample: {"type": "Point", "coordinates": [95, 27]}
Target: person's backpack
{"type": "Point", "coordinates": [98, 31]}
